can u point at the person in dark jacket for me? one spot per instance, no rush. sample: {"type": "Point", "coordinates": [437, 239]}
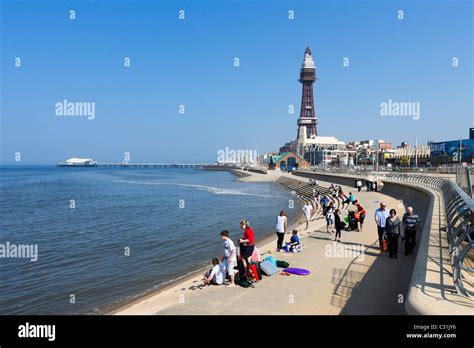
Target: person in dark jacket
{"type": "Point", "coordinates": [393, 231]}
{"type": "Point", "coordinates": [411, 223]}
{"type": "Point", "coordinates": [338, 223]}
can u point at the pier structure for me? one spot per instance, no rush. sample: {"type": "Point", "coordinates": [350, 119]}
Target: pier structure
{"type": "Point", "coordinates": [134, 165]}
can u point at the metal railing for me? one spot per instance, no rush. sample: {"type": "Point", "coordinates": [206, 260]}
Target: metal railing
{"type": "Point", "coordinates": [459, 210]}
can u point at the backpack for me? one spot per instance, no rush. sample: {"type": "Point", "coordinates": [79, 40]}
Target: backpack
{"type": "Point", "coordinates": [243, 281]}
{"type": "Point", "coordinates": [282, 264]}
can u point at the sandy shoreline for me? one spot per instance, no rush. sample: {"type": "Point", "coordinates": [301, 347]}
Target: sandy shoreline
{"type": "Point", "coordinates": [264, 245]}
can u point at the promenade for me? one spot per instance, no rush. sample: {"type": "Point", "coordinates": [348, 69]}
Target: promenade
{"type": "Point", "coordinates": [339, 283]}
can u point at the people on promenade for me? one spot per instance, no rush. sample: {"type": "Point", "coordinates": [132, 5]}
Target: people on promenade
{"type": "Point", "coordinates": [295, 244]}
{"type": "Point", "coordinates": [317, 198]}
{"type": "Point", "coordinates": [229, 256]}
{"type": "Point", "coordinates": [361, 211]}
{"type": "Point", "coordinates": [393, 231]}
{"type": "Point", "coordinates": [359, 185]}
{"type": "Point", "coordinates": [341, 194]}
{"type": "Point", "coordinates": [381, 215]}
{"type": "Point", "coordinates": [411, 223]}
{"type": "Point", "coordinates": [246, 243]}
{"type": "Point", "coordinates": [368, 185]}
{"type": "Point", "coordinates": [339, 225]}
{"type": "Point", "coordinates": [216, 275]}
{"type": "Point", "coordinates": [324, 202]}
{"type": "Point", "coordinates": [330, 217]}
{"type": "Point", "coordinates": [281, 228]}
{"type": "Point", "coordinates": [308, 212]}
{"type": "Point", "coordinates": [350, 198]}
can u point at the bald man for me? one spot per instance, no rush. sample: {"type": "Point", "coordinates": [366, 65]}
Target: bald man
{"type": "Point", "coordinates": [411, 223]}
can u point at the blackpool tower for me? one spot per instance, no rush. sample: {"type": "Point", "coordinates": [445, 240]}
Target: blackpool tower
{"type": "Point", "coordinates": [307, 119]}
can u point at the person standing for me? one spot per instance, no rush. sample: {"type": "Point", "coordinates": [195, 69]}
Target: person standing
{"type": "Point", "coordinates": [359, 185]}
{"type": "Point", "coordinates": [281, 228]}
{"type": "Point", "coordinates": [338, 223]}
{"type": "Point", "coordinates": [229, 256]}
{"type": "Point", "coordinates": [381, 215]}
{"type": "Point", "coordinates": [393, 231]}
{"type": "Point", "coordinates": [411, 222]}
{"type": "Point", "coordinates": [308, 212]}
{"type": "Point", "coordinates": [246, 242]}
{"type": "Point", "coordinates": [362, 212]}
{"type": "Point", "coordinates": [367, 185]}
{"type": "Point", "coordinates": [316, 200]}
{"type": "Point", "coordinates": [330, 218]}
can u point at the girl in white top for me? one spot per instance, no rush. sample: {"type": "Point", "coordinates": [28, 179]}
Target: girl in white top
{"type": "Point", "coordinates": [281, 227]}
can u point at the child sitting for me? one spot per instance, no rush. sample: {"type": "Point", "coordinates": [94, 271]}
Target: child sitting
{"type": "Point", "coordinates": [294, 245]}
{"type": "Point", "coordinates": [216, 274]}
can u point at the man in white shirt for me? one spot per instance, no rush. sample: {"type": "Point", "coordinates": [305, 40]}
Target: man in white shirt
{"type": "Point", "coordinates": [216, 274]}
{"type": "Point", "coordinates": [308, 211]}
{"type": "Point", "coordinates": [229, 256]}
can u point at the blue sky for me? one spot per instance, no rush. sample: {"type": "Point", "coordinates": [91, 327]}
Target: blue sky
{"type": "Point", "coordinates": [190, 62]}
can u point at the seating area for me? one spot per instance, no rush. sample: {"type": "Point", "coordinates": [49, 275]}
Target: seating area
{"type": "Point", "coordinates": [305, 191]}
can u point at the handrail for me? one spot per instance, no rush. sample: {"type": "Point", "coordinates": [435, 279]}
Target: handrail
{"type": "Point", "coordinates": [459, 210]}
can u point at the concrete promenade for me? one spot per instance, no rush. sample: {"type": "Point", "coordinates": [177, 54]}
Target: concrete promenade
{"type": "Point", "coordinates": [339, 283]}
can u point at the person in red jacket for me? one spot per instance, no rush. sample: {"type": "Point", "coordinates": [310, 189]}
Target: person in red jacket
{"type": "Point", "coordinates": [246, 242]}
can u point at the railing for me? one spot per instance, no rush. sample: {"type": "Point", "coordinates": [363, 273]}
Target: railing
{"type": "Point", "coordinates": [459, 209]}
{"type": "Point", "coordinates": [463, 180]}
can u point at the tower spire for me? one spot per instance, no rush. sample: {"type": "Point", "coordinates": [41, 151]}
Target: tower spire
{"type": "Point", "coordinates": [307, 117]}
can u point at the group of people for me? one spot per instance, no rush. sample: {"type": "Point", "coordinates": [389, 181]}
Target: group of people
{"type": "Point", "coordinates": [390, 229]}
{"type": "Point", "coordinates": [294, 244]}
{"type": "Point", "coordinates": [218, 274]}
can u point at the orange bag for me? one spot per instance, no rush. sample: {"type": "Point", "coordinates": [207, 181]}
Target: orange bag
{"type": "Point", "coordinates": [384, 245]}
{"type": "Point", "coordinates": [357, 216]}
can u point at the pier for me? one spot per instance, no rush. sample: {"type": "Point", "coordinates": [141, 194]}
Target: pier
{"type": "Point", "coordinates": [134, 165]}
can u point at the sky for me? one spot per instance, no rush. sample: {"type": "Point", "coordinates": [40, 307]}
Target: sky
{"type": "Point", "coordinates": [191, 62]}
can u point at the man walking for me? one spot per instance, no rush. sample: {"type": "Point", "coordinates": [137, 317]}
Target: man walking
{"type": "Point", "coordinates": [308, 212]}
{"type": "Point", "coordinates": [381, 215]}
{"type": "Point", "coordinates": [411, 223]}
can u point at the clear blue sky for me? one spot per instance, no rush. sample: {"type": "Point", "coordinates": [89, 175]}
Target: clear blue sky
{"type": "Point", "coordinates": [190, 62]}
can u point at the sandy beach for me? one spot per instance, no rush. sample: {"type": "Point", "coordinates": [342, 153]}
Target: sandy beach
{"type": "Point", "coordinates": [341, 280]}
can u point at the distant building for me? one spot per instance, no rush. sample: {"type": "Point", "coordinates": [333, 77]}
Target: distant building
{"type": "Point", "coordinates": [288, 161]}
{"type": "Point", "coordinates": [409, 155]}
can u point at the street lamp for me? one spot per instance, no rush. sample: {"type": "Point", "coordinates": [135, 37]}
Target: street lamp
{"type": "Point", "coordinates": [416, 152]}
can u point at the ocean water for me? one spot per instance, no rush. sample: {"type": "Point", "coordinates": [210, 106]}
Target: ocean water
{"type": "Point", "coordinates": [84, 220]}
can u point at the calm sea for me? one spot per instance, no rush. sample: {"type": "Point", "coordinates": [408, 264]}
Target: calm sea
{"type": "Point", "coordinates": [84, 220]}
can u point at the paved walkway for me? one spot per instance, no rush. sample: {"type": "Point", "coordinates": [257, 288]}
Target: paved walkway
{"type": "Point", "coordinates": [372, 284]}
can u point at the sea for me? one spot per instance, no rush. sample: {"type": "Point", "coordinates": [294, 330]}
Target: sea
{"type": "Point", "coordinates": [105, 236]}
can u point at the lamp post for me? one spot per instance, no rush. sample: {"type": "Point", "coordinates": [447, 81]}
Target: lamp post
{"type": "Point", "coordinates": [416, 152]}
